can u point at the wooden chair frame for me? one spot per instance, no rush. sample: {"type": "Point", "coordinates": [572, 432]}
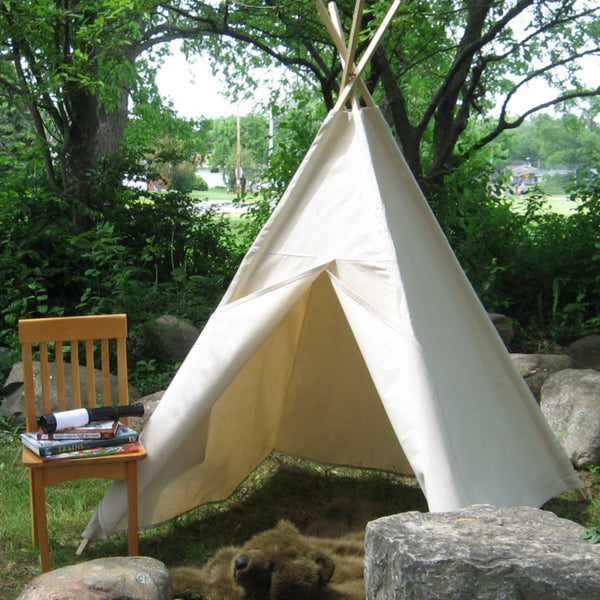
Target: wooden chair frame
{"type": "Point", "coordinates": [69, 332]}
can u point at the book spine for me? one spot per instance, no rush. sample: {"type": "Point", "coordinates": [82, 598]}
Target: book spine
{"type": "Point", "coordinates": [90, 435]}
{"type": "Point", "coordinates": [28, 443]}
{"type": "Point", "coordinates": [86, 433]}
{"type": "Point", "coordinates": [81, 445]}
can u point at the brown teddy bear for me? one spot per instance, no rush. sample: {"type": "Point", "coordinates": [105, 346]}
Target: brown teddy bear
{"type": "Point", "coordinates": [281, 564]}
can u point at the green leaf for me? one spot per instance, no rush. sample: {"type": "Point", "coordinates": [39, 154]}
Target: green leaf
{"type": "Point", "coordinates": [592, 534]}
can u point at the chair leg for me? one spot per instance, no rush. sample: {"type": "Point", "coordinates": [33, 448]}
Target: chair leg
{"type": "Point", "coordinates": [39, 525]}
{"type": "Point", "coordinates": [132, 509]}
{"type": "Point", "coordinates": [34, 534]}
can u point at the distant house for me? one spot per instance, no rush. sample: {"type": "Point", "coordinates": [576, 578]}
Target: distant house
{"type": "Point", "coordinates": [523, 178]}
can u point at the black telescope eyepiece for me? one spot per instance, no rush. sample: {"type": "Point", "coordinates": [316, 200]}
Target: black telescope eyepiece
{"type": "Point", "coordinates": [79, 417]}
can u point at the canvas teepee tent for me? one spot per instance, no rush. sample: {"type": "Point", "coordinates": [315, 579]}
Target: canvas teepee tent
{"type": "Point", "coordinates": [351, 336]}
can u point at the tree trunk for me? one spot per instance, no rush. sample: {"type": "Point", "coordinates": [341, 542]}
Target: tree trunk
{"type": "Point", "coordinates": [80, 152]}
{"type": "Point", "coordinates": [92, 134]}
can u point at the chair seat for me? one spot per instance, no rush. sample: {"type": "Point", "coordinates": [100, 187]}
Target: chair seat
{"type": "Point", "coordinates": [33, 461]}
{"type": "Point", "coordinates": [104, 467]}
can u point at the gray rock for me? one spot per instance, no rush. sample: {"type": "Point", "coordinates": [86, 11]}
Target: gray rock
{"type": "Point", "coordinates": [586, 352]}
{"type": "Point", "coordinates": [12, 406]}
{"type": "Point", "coordinates": [168, 338]}
{"type": "Point", "coordinates": [150, 403]}
{"type": "Point", "coordinates": [504, 327]}
{"type": "Point", "coordinates": [570, 402]}
{"type": "Point", "coordinates": [115, 578]}
{"type": "Point", "coordinates": [480, 553]}
{"type": "Point", "coordinates": [536, 368]}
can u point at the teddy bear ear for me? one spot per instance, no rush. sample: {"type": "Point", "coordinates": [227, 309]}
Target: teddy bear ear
{"type": "Point", "coordinates": [326, 568]}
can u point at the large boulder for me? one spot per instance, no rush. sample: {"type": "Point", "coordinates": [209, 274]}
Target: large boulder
{"type": "Point", "coordinates": [114, 578]}
{"type": "Point", "coordinates": [150, 403]}
{"type": "Point", "coordinates": [168, 338]}
{"type": "Point", "coordinates": [536, 368]}
{"type": "Point", "coordinates": [13, 402]}
{"type": "Point", "coordinates": [480, 553]}
{"type": "Point", "coordinates": [570, 402]}
{"type": "Point", "coordinates": [586, 352]}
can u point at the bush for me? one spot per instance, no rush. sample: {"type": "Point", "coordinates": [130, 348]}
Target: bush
{"type": "Point", "coordinates": [537, 267]}
{"type": "Point", "coordinates": [556, 185]}
{"type": "Point", "coordinates": [182, 178]}
{"type": "Point", "coordinates": [149, 254]}
{"type": "Point", "coordinates": [200, 184]}
{"type": "Point", "coordinates": [145, 254]}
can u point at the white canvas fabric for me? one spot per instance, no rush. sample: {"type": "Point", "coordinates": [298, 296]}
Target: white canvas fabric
{"type": "Point", "coordinates": [350, 335]}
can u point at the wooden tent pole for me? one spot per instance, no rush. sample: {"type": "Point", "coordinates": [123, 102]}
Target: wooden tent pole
{"type": "Point", "coordinates": [238, 156]}
{"type": "Point", "coordinates": [349, 67]}
{"type": "Point", "coordinates": [347, 90]}
{"type": "Point", "coordinates": [353, 41]}
{"type": "Point", "coordinates": [340, 45]}
{"type": "Point", "coordinates": [347, 57]}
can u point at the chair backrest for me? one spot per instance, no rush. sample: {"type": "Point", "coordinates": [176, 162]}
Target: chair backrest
{"type": "Point", "coordinates": [87, 341]}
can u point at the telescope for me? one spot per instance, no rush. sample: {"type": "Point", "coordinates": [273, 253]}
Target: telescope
{"type": "Point", "coordinates": [78, 417]}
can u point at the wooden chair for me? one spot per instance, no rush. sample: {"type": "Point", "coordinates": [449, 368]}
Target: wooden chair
{"type": "Point", "coordinates": [74, 336]}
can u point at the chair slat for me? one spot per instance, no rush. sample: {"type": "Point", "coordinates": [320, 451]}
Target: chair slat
{"type": "Point", "coordinates": [59, 365]}
{"type": "Point", "coordinates": [75, 379]}
{"type": "Point", "coordinates": [45, 377]}
{"type": "Point", "coordinates": [105, 368]}
{"type": "Point", "coordinates": [123, 388]}
{"type": "Point", "coordinates": [91, 376]}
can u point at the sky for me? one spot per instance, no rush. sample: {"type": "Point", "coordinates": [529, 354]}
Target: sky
{"type": "Point", "coordinates": [192, 88]}
{"type": "Point", "coordinates": [194, 91]}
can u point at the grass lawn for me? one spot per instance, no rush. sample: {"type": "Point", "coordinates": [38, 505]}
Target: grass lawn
{"type": "Point", "coordinates": [214, 194]}
{"type": "Point", "coordinates": [281, 487]}
{"type": "Point", "coordinates": [557, 204]}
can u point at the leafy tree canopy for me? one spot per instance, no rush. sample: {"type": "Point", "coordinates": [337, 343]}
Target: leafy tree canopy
{"type": "Point", "coordinates": [443, 66]}
{"type": "Point", "coordinates": [567, 141]}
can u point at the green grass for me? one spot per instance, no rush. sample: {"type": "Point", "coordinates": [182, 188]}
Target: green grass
{"type": "Point", "coordinates": [561, 205]}
{"type": "Point", "coordinates": [214, 194]}
{"type": "Point", "coordinates": [281, 487]}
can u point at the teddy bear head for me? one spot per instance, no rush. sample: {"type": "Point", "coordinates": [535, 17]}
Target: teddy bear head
{"type": "Point", "coordinates": [280, 564]}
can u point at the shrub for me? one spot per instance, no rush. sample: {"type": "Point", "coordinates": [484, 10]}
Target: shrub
{"type": "Point", "coordinates": [539, 268]}
{"type": "Point", "coordinates": [200, 184]}
{"type": "Point", "coordinates": [182, 178]}
{"type": "Point", "coordinates": [145, 255]}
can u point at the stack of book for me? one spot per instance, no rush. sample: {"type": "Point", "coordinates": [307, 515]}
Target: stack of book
{"type": "Point", "coordinates": [97, 438]}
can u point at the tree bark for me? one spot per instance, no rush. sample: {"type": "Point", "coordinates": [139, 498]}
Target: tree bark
{"type": "Point", "coordinates": [92, 134]}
